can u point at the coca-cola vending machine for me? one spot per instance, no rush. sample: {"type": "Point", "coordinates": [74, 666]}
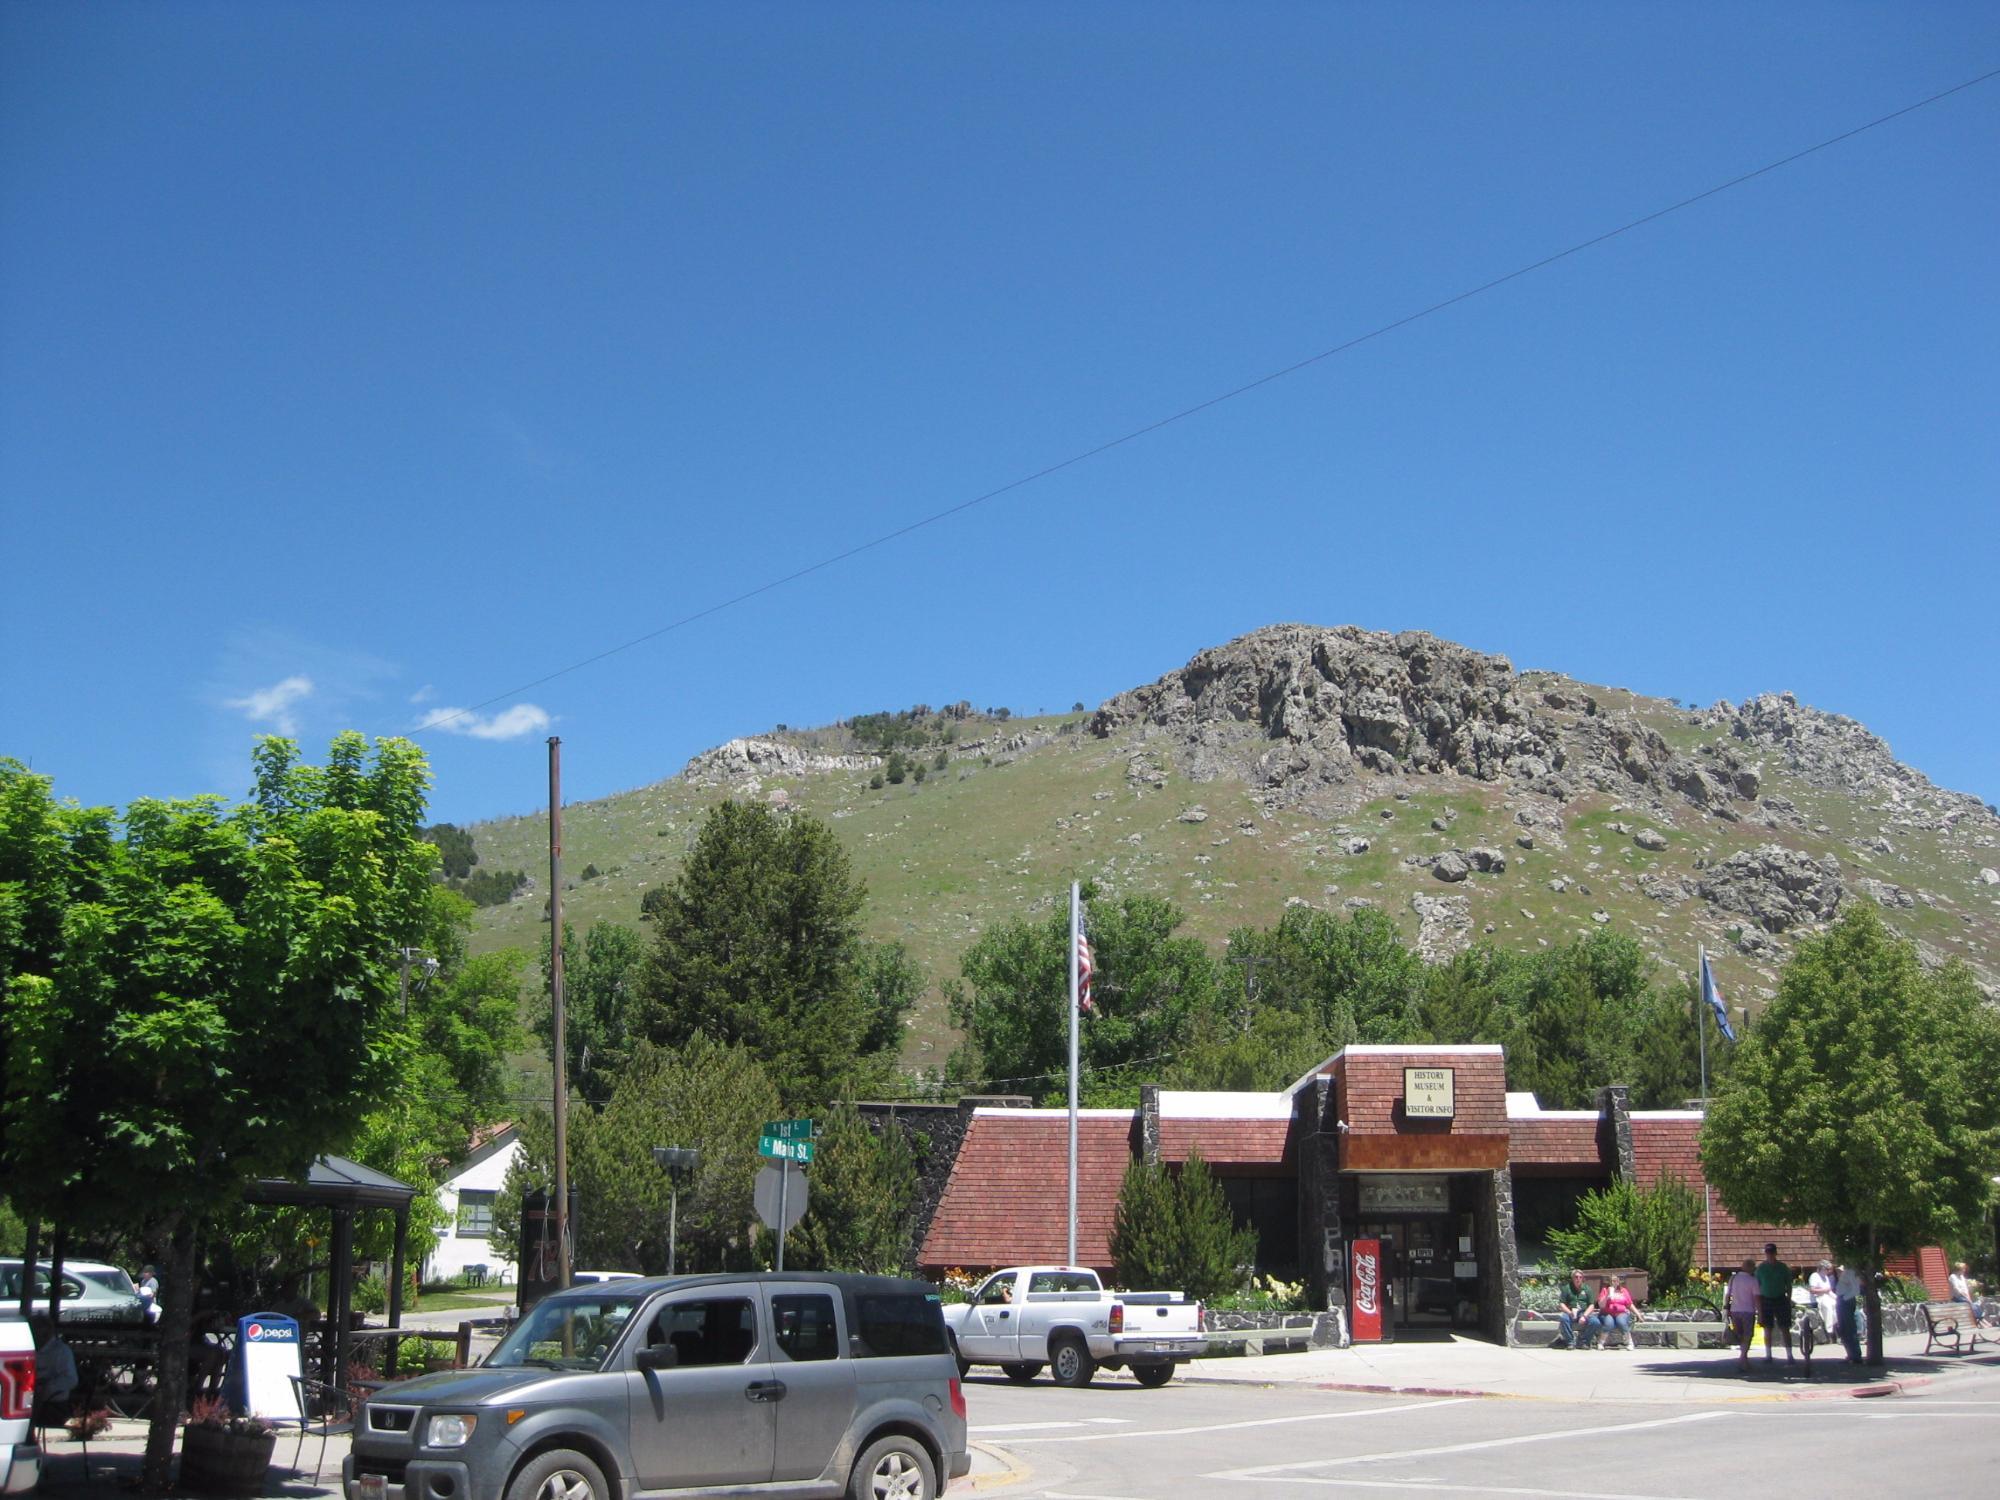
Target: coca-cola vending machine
{"type": "Point", "coordinates": [1367, 1294]}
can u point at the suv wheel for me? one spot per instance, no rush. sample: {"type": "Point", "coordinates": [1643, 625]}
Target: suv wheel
{"type": "Point", "coordinates": [894, 1468]}
{"type": "Point", "coordinates": [1152, 1375]}
{"type": "Point", "coordinates": [964, 1364]}
{"type": "Point", "coordinates": [1070, 1363]}
{"type": "Point", "coordinates": [1020, 1374]}
{"type": "Point", "coordinates": [559, 1474]}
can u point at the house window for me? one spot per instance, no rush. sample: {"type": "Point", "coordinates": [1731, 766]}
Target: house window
{"type": "Point", "coordinates": [475, 1213]}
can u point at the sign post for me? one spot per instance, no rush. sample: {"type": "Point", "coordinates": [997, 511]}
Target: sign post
{"type": "Point", "coordinates": [678, 1162]}
{"type": "Point", "coordinates": [1367, 1291]}
{"type": "Point", "coordinates": [785, 1141]}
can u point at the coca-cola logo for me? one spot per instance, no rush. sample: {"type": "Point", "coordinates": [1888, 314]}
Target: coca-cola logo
{"type": "Point", "coordinates": [1364, 1283]}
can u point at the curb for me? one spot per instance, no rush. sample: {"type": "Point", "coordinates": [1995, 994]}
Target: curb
{"type": "Point", "coordinates": [1013, 1471]}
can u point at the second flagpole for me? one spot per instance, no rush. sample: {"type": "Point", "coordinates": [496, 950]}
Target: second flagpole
{"type": "Point", "coordinates": [1074, 898]}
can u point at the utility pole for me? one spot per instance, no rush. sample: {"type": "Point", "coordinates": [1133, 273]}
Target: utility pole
{"type": "Point", "coordinates": [563, 1264]}
{"type": "Point", "coordinates": [1249, 962]}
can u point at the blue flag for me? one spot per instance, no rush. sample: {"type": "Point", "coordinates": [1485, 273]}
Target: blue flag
{"type": "Point", "coordinates": [1713, 997]}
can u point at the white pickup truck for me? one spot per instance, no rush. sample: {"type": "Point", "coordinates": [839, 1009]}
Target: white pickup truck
{"type": "Point", "coordinates": [1061, 1316]}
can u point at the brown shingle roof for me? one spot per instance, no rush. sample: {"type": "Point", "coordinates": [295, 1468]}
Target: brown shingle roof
{"type": "Point", "coordinates": [1007, 1200]}
{"type": "Point", "coordinates": [1668, 1141]}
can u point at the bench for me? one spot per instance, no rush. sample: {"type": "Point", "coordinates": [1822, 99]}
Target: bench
{"type": "Point", "coordinates": [1648, 1329]}
{"type": "Point", "coordinates": [1950, 1324]}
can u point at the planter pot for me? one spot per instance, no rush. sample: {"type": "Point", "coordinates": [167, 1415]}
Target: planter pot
{"type": "Point", "coordinates": [216, 1461]}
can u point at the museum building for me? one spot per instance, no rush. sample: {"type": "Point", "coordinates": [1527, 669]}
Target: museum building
{"type": "Point", "coordinates": [1418, 1149]}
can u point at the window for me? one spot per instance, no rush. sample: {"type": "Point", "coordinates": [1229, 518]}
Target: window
{"type": "Point", "coordinates": [894, 1323]}
{"type": "Point", "coordinates": [719, 1331]}
{"type": "Point", "coordinates": [1062, 1281]}
{"type": "Point", "coordinates": [475, 1213]}
{"type": "Point", "coordinates": [805, 1328]}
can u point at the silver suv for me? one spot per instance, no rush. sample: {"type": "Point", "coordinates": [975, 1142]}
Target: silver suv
{"type": "Point", "coordinates": [801, 1384]}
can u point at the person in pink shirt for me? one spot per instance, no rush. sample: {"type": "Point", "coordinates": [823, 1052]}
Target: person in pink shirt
{"type": "Point", "coordinates": [1616, 1310]}
{"type": "Point", "coordinates": [1740, 1301]}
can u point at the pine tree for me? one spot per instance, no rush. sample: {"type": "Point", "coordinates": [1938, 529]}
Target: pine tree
{"type": "Point", "coordinates": [1214, 1254]}
{"type": "Point", "coordinates": [1143, 1241]}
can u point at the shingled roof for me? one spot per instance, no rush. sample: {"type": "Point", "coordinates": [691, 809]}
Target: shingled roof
{"type": "Point", "coordinates": [1007, 1202]}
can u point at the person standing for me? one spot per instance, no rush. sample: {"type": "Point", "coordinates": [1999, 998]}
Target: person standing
{"type": "Point", "coordinates": [1577, 1318]}
{"type": "Point", "coordinates": [1740, 1301]}
{"type": "Point", "coordinates": [1847, 1311]}
{"type": "Point", "coordinates": [149, 1293]}
{"type": "Point", "coordinates": [1820, 1287]}
{"type": "Point", "coordinates": [1774, 1300]}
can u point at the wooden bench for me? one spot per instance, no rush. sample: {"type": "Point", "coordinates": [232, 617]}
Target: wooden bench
{"type": "Point", "coordinates": [1950, 1324]}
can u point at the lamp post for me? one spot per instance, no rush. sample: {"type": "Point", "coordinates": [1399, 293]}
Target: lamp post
{"type": "Point", "coordinates": [678, 1162]}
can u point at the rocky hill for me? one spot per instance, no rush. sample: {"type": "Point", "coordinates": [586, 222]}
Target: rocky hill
{"type": "Point", "coordinates": [1344, 767]}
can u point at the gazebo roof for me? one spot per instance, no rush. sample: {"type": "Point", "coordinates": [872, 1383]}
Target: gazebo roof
{"type": "Point", "coordinates": [334, 1182]}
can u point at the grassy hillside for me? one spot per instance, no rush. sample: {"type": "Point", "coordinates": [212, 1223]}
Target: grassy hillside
{"type": "Point", "coordinates": [998, 836]}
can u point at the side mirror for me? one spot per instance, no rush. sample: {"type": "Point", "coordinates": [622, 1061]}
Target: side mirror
{"type": "Point", "coordinates": [659, 1357]}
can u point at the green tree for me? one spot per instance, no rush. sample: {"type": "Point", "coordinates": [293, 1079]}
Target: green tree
{"type": "Point", "coordinates": [456, 854]}
{"type": "Point", "coordinates": [600, 1003]}
{"type": "Point", "coordinates": [198, 995]}
{"type": "Point", "coordinates": [1175, 1231]}
{"type": "Point", "coordinates": [1354, 977]}
{"type": "Point", "coordinates": [1866, 1102]}
{"type": "Point", "coordinates": [1152, 987]}
{"type": "Point", "coordinates": [705, 1095]}
{"type": "Point", "coordinates": [864, 1183]}
{"type": "Point", "coordinates": [758, 944]}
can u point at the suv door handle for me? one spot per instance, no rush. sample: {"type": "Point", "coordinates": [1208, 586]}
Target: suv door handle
{"type": "Point", "coordinates": [765, 1390]}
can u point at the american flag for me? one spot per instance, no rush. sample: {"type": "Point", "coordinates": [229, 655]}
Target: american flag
{"type": "Point", "coordinates": [1083, 969]}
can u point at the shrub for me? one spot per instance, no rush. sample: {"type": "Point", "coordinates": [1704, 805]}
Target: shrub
{"type": "Point", "coordinates": [370, 1295]}
{"type": "Point", "coordinates": [1626, 1226]}
{"type": "Point", "coordinates": [875, 782]}
{"type": "Point", "coordinates": [1177, 1232]}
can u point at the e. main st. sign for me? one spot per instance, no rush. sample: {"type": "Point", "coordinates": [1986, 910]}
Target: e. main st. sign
{"type": "Point", "coordinates": [787, 1140]}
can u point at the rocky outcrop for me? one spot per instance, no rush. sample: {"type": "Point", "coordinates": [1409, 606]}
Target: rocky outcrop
{"type": "Point", "coordinates": [749, 760]}
{"type": "Point", "coordinates": [1446, 925]}
{"type": "Point", "coordinates": [1296, 708]}
{"type": "Point", "coordinates": [1297, 704]}
{"type": "Point", "coordinates": [1775, 887]}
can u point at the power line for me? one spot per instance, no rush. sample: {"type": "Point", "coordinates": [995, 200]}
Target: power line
{"type": "Point", "coordinates": [1214, 401]}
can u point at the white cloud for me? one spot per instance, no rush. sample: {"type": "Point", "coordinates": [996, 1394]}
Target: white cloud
{"type": "Point", "coordinates": [273, 705]}
{"type": "Point", "coordinates": [508, 724]}
{"type": "Point", "coordinates": [423, 694]}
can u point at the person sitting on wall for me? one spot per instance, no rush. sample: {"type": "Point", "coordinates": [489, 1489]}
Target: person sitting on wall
{"type": "Point", "coordinates": [1616, 1312]}
{"type": "Point", "coordinates": [1965, 1289]}
{"type": "Point", "coordinates": [1578, 1319]}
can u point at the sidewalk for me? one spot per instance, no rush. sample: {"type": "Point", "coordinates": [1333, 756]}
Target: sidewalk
{"type": "Point", "coordinates": [1466, 1366]}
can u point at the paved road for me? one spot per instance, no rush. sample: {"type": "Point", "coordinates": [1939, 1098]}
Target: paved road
{"type": "Point", "coordinates": [1117, 1442]}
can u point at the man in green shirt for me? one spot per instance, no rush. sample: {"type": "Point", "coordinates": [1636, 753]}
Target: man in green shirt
{"type": "Point", "coordinates": [1774, 1300]}
{"type": "Point", "coordinates": [1576, 1315]}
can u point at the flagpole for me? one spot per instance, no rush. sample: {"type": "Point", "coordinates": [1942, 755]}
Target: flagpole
{"type": "Point", "coordinates": [1701, 1029]}
{"type": "Point", "coordinates": [1073, 903]}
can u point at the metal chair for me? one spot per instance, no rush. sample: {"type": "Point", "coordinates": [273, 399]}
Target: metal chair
{"type": "Point", "coordinates": [323, 1409]}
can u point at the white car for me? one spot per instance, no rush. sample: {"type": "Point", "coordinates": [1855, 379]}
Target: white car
{"type": "Point", "coordinates": [92, 1292]}
{"type": "Point", "coordinates": [20, 1459]}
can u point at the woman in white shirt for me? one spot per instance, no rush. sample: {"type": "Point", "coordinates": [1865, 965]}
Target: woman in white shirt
{"type": "Point", "coordinates": [1962, 1287]}
{"type": "Point", "coordinates": [1820, 1285]}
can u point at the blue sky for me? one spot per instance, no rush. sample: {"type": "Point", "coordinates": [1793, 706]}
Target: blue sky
{"type": "Point", "coordinates": [358, 361]}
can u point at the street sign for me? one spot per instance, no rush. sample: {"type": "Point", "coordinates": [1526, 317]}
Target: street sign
{"type": "Point", "coordinates": [800, 1151]}
{"type": "Point", "coordinates": [772, 1194]}
{"type": "Point", "coordinates": [790, 1130]}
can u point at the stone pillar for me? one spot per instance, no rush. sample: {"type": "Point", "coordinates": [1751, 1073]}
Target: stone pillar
{"type": "Point", "coordinates": [1499, 1259]}
{"type": "Point", "coordinates": [1149, 1124]}
{"type": "Point", "coordinates": [1614, 1129]}
{"type": "Point", "coordinates": [1322, 1246]}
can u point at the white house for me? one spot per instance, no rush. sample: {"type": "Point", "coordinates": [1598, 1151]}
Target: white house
{"type": "Point", "coordinates": [467, 1200]}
